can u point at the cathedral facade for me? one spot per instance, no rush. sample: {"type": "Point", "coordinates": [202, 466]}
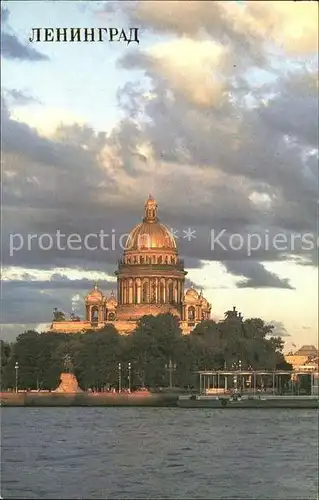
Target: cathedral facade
{"type": "Point", "coordinates": [150, 280]}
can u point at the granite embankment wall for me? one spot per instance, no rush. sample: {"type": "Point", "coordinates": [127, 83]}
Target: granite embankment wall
{"type": "Point", "coordinates": [86, 399]}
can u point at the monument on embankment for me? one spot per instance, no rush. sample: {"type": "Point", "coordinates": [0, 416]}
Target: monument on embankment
{"type": "Point", "coordinates": [68, 381]}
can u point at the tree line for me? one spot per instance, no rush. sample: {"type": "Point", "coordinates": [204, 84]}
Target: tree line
{"type": "Point", "coordinates": [156, 343]}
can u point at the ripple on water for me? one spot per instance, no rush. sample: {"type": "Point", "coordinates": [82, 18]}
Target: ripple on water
{"type": "Point", "coordinates": [158, 453]}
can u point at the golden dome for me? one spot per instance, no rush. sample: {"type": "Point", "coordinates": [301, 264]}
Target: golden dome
{"type": "Point", "coordinates": [192, 293]}
{"type": "Point", "coordinates": [95, 295]}
{"type": "Point", "coordinates": [150, 234]}
{"type": "Point", "coordinates": [111, 298]}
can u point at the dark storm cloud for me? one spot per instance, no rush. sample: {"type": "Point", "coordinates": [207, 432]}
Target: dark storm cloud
{"type": "Point", "coordinates": [19, 138]}
{"type": "Point", "coordinates": [256, 276]}
{"type": "Point", "coordinates": [19, 97]}
{"type": "Point", "coordinates": [45, 177]}
{"type": "Point", "coordinates": [12, 48]}
{"type": "Point", "coordinates": [279, 329]}
{"type": "Point", "coordinates": [29, 301]}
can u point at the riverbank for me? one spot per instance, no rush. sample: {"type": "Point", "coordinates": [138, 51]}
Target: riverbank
{"type": "Point", "coordinates": [87, 399]}
{"type": "Point", "coordinates": [148, 399]}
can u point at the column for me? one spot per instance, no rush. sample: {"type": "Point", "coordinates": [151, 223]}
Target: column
{"type": "Point", "coordinates": [158, 290]}
{"type": "Point", "coordinates": [197, 315]}
{"type": "Point", "coordinates": [163, 282]}
{"type": "Point", "coordinates": [134, 297]}
{"type": "Point", "coordinates": [182, 289]}
{"type": "Point", "coordinates": [121, 291]}
{"type": "Point", "coordinates": [184, 312]}
{"type": "Point", "coordinates": [178, 292]}
{"type": "Point", "coordinates": [101, 315]}
{"type": "Point", "coordinates": [175, 296]}
{"type": "Point", "coordinates": [130, 292]}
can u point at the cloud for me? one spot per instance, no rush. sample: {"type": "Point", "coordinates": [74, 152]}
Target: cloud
{"type": "Point", "coordinates": [19, 97]}
{"type": "Point", "coordinates": [279, 329]}
{"type": "Point", "coordinates": [33, 301]}
{"type": "Point", "coordinates": [191, 66]}
{"type": "Point", "coordinates": [12, 48]}
{"type": "Point", "coordinates": [256, 276]}
{"type": "Point", "coordinates": [291, 26]}
{"type": "Point", "coordinates": [221, 127]}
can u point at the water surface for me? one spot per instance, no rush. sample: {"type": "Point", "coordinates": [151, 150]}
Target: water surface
{"type": "Point", "coordinates": [155, 453]}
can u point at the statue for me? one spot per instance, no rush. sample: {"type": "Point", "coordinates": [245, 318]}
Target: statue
{"type": "Point", "coordinates": [58, 315]}
{"type": "Point", "coordinates": [68, 382]}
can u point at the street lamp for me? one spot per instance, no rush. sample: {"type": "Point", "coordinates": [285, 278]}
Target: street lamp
{"type": "Point", "coordinates": [129, 377]}
{"type": "Point", "coordinates": [120, 377]}
{"type": "Point", "coordinates": [171, 367]}
{"type": "Point", "coordinates": [16, 367]}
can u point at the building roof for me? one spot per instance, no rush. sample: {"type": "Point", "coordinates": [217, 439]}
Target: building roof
{"type": "Point", "coordinates": [150, 234]}
{"type": "Point", "coordinates": [94, 295]}
{"type": "Point", "coordinates": [307, 350]}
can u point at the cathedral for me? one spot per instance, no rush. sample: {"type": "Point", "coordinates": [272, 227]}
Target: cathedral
{"type": "Point", "coordinates": [150, 280]}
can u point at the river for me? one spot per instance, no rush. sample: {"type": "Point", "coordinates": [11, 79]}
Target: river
{"type": "Point", "coordinates": [130, 453]}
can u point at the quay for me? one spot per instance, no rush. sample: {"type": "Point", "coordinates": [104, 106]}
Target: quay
{"type": "Point", "coordinates": [218, 389]}
{"type": "Point", "coordinates": [85, 399]}
{"type": "Point", "coordinates": [253, 389]}
{"type": "Point", "coordinates": [37, 399]}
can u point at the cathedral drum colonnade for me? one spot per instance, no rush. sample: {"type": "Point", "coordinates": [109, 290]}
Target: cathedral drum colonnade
{"type": "Point", "coordinates": [150, 280]}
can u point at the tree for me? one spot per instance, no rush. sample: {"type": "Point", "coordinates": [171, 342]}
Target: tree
{"type": "Point", "coordinates": [96, 357]}
{"type": "Point", "coordinates": [6, 352]}
{"type": "Point", "coordinates": [155, 342]}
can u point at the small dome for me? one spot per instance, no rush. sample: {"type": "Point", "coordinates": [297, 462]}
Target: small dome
{"type": "Point", "coordinates": [111, 298]}
{"type": "Point", "coordinates": [204, 302]}
{"type": "Point", "coordinates": [150, 234]}
{"type": "Point", "coordinates": [191, 292]}
{"type": "Point", "coordinates": [95, 295]}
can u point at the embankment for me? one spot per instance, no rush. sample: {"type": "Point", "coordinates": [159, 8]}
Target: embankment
{"type": "Point", "coordinates": [86, 399]}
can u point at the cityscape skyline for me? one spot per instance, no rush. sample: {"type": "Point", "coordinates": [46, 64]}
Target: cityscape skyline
{"type": "Point", "coordinates": [217, 118]}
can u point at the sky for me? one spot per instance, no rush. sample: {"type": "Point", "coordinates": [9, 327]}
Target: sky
{"type": "Point", "coordinates": [214, 112]}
